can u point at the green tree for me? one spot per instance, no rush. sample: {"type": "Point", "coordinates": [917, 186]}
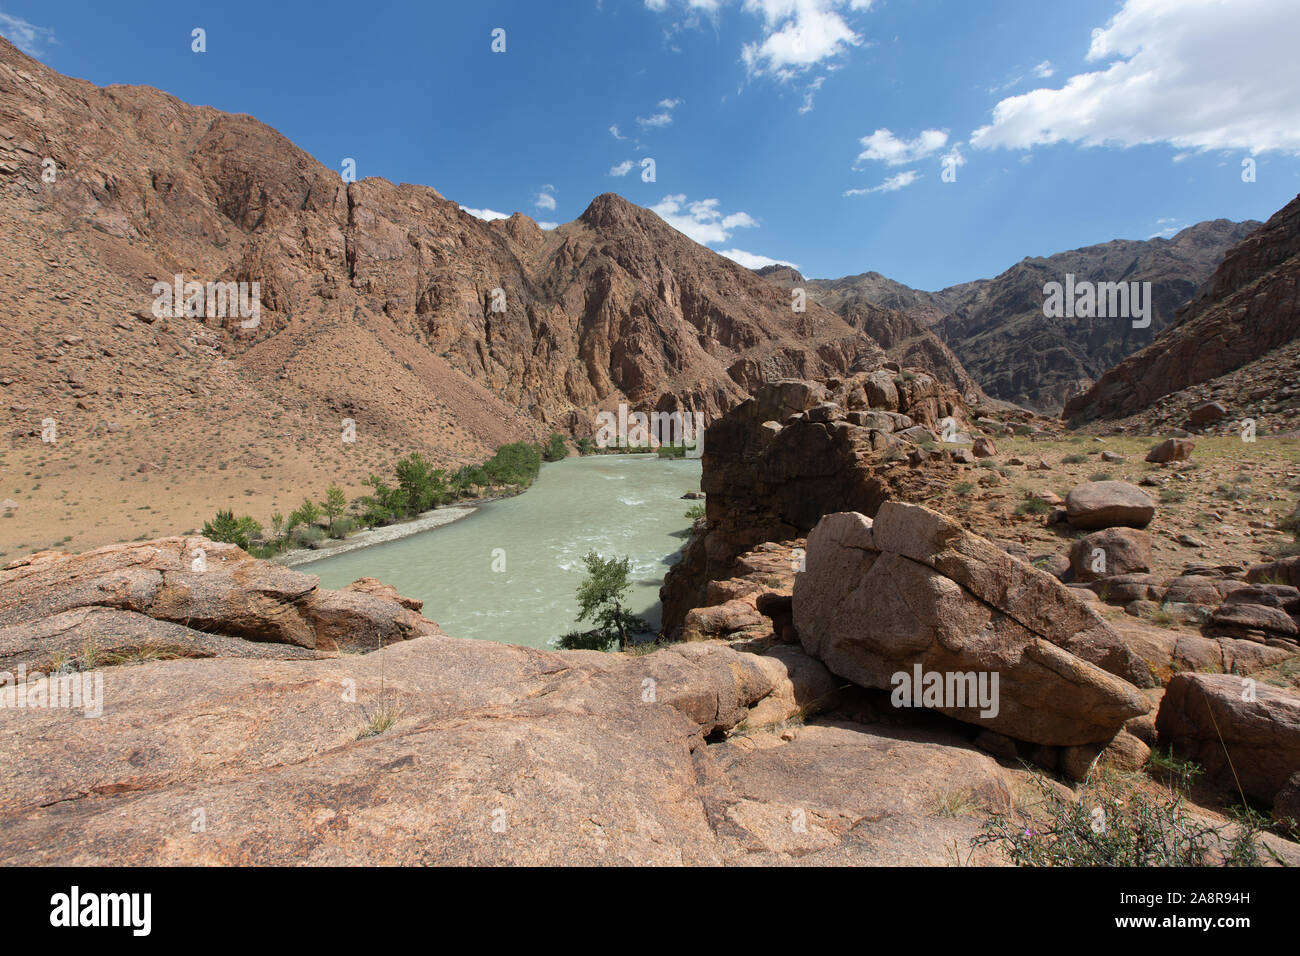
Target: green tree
{"type": "Point", "coordinates": [334, 504]}
{"type": "Point", "coordinates": [384, 505]}
{"type": "Point", "coordinates": [277, 525]}
{"type": "Point", "coordinates": [225, 527]}
{"type": "Point", "coordinates": [306, 513]}
{"type": "Point", "coordinates": [423, 486]}
{"type": "Point", "coordinates": [555, 449]}
{"type": "Point", "coordinates": [601, 595]}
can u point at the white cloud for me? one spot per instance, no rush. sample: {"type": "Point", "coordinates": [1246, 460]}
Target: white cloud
{"type": "Point", "coordinates": [798, 34]}
{"type": "Point", "coordinates": [1196, 74]}
{"type": "Point", "coordinates": [486, 214]}
{"type": "Point", "coordinates": [28, 37]}
{"type": "Point", "coordinates": [622, 169]}
{"type": "Point", "coordinates": [701, 220]}
{"type": "Point", "coordinates": [890, 185]}
{"type": "Point", "coordinates": [809, 92]}
{"type": "Point", "coordinates": [1044, 70]}
{"type": "Point", "coordinates": [751, 260]}
{"type": "Point", "coordinates": [884, 146]}
{"type": "Point", "coordinates": [548, 226]}
{"type": "Point", "coordinates": [545, 199]}
{"type": "Point", "coordinates": [663, 118]}
{"type": "Point", "coordinates": [616, 134]}
{"type": "Point", "coordinates": [953, 157]}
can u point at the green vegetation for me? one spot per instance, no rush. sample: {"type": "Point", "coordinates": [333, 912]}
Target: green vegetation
{"type": "Point", "coordinates": [695, 512]}
{"type": "Point", "coordinates": [1074, 459]}
{"type": "Point", "coordinates": [1112, 821]}
{"type": "Point", "coordinates": [963, 488]}
{"type": "Point", "coordinates": [600, 600]}
{"type": "Point", "coordinates": [225, 527]}
{"type": "Point", "coordinates": [1033, 506]}
{"type": "Point", "coordinates": [555, 449]}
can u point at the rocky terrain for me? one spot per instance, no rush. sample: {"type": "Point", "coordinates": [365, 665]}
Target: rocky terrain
{"type": "Point", "coordinates": [385, 305]}
{"type": "Point", "coordinates": [1234, 341]}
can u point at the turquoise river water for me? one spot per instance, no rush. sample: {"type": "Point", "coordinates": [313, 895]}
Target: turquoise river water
{"type": "Point", "coordinates": [617, 505]}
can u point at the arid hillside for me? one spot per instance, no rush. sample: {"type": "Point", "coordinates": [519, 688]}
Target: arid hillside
{"type": "Point", "coordinates": [384, 305]}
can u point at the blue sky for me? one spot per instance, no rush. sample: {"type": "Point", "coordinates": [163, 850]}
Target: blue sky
{"type": "Point", "coordinates": [807, 131]}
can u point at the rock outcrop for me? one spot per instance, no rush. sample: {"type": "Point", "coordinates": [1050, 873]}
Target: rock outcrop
{"type": "Point", "coordinates": [1241, 732]}
{"type": "Point", "coordinates": [800, 449]}
{"type": "Point", "coordinates": [914, 590]}
{"type": "Point", "coordinates": [193, 596]}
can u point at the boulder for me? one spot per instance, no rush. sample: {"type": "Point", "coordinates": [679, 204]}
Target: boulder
{"type": "Point", "coordinates": [1206, 414]}
{"type": "Point", "coordinates": [1255, 616]}
{"type": "Point", "coordinates": [1237, 729]}
{"type": "Point", "coordinates": [1283, 571]}
{"type": "Point", "coordinates": [984, 448]}
{"type": "Point", "coordinates": [1111, 551]}
{"type": "Point", "coordinates": [1171, 449]}
{"type": "Point", "coordinates": [1108, 504]}
{"type": "Point", "coordinates": [921, 598]}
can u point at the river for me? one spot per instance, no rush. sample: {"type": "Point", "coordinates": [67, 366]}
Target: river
{"type": "Point", "coordinates": [508, 572]}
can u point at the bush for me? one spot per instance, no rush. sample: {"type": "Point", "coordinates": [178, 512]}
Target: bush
{"type": "Point", "coordinates": [1074, 459]}
{"type": "Point", "coordinates": [514, 464]}
{"type": "Point", "coordinates": [963, 488]}
{"type": "Point", "coordinates": [307, 513]}
{"type": "Point", "coordinates": [228, 529]}
{"type": "Point", "coordinates": [585, 446]}
{"type": "Point", "coordinates": [306, 536]}
{"type": "Point", "coordinates": [555, 449]}
{"type": "Point", "coordinates": [694, 512]}
{"type": "Point", "coordinates": [584, 641]}
{"type": "Point", "coordinates": [1033, 506]}
{"type": "Point", "coordinates": [1113, 824]}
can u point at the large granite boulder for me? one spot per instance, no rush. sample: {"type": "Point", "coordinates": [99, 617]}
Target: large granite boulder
{"type": "Point", "coordinates": [1111, 551]}
{"type": "Point", "coordinates": [1108, 504]}
{"type": "Point", "coordinates": [914, 590]}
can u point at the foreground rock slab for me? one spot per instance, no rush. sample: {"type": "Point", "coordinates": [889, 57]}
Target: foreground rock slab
{"type": "Point", "coordinates": [496, 754]}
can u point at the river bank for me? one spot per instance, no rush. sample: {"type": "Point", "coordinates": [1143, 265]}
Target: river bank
{"type": "Point", "coordinates": [381, 535]}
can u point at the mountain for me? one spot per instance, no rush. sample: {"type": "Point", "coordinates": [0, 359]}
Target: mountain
{"type": "Point", "coordinates": [384, 304]}
{"type": "Point", "coordinates": [1002, 337]}
{"type": "Point", "coordinates": [902, 329]}
{"type": "Point", "coordinates": [1245, 317]}
{"type": "Point", "coordinates": [993, 331]}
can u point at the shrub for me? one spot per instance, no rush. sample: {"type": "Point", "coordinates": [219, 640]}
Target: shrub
{"type": "Point", "coordinates": [695, 512]}
{"type": "Point", "coordinates": [307, 513]}
{"type": "Point", "coordinates": [585, 446]}
{"type": "Point", "coordinates": [1074, 459]}
{"type": "Point", "coordinates": [1033, 506]}
{"type": "Point", "coordinates": [225, 527]}
{"type": "Point", "coordinates": [584, 641]}
{"type": "Point", "coordinates": [964, 487]}
{"type": "Point", "coordinates": [1117, 824]}
{"type": "Point", "coordinates": [1100, 476]}
{"type": "Point", "coordinates": [555, 449]}
{"type": "Point", "coordinates": [514, 464]}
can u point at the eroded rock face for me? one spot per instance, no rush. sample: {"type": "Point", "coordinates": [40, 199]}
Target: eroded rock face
{"type": "Point", "coordinates": [1226, 723]}
{"type": "Point", "coordinates": [915, 589]}
{"type": "Point", "coordinates": [200, 585]}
